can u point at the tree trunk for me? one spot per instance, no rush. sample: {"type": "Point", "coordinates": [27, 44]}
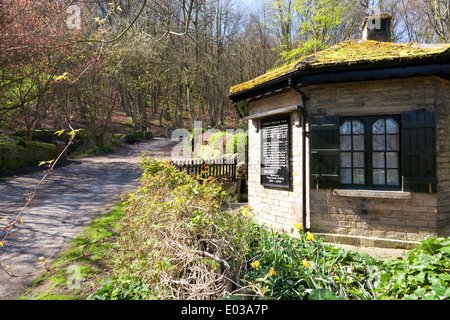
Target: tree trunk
{"type": "Point", "coordinates": [189, 91]}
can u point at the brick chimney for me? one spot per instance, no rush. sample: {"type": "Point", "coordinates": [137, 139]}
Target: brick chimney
{"type": "Point", "coordinates": [377, 27]}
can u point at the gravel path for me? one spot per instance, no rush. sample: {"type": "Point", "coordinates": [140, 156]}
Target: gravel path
{"type": "Point", "coordinates": [71, 197]}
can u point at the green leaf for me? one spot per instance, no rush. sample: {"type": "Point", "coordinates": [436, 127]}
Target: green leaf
{"type": "Point", "coordinates": [417, 294]}
{"type": "Point", "coordinates": [420, 277]}
{"type": "Point", "coordinates": [322, 294]}
{"type": "Point", "coordinates": [444, 277]}
{"type": "Point", "coordinates": [105, 282]}
{"type": "Point", "coordinates": [60, 132]}
{"type": "Point", "coordinates": [71, 133]}
{"type": "Point", "coordinates": [440, 290]}
{"type": "Point", "coordinates": [62, 77]}
{"type": "Point", "coordinates": [44, 162]}
{"type": "Point", "coordinates": [445, 250]}
{"type": "Point", "coordinates": [430, 245]}
{"type": "Point", "coordinates": [211, 262]}
{"type": "Point", "coordinates": [386, 276]}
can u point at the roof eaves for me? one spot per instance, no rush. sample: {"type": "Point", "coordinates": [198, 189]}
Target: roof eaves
{"type": "Point", "coordinates": [321, 61]}
{"type": "Point", "coordinates": [386, 67]}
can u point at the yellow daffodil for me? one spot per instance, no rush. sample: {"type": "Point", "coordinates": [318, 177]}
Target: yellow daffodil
{"type": "Point", "coordinates": [309, 236]}
{"type": "Point", "coordinates": [255, 264]}
{"type": "Point", "coordinates": [272, 272]}
{"type": "Point", "coordinates": [306, 263]}
{"type": "Point", "coordinates": [298, 226]}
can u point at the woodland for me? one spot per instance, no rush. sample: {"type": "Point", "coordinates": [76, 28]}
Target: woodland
{"type": "Point", "coordinates": [161, 65]}
{"type": "Point", "coordinates": [105, 66]}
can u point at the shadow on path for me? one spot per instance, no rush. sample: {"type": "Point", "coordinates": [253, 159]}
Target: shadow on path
{"type": "Point", "coordinates": [71, 197]}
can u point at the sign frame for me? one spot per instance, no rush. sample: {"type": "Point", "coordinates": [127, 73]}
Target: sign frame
{"type": "Point", "coordinates": [282, 178]}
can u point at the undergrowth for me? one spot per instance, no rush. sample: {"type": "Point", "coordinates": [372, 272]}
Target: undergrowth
{"type": "Point", "coordinates": [176, 242]}
{"type": "Point", "coordinates": [171, 239]}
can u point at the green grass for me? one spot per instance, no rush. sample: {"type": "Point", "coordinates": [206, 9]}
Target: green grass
{"type": "Point", "coordinates": [95, 151]}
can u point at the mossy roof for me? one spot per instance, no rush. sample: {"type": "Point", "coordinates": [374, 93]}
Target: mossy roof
{"type": "Point", "coordinates": [349, 53]}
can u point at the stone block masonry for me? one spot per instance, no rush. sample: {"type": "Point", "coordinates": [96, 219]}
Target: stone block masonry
{"type": "Point", "coordinates": [411, 219]}
{"type": "Point", "coordinates": [395, 215]}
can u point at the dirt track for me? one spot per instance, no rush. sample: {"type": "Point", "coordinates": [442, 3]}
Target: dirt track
{"type": "Point", "coordinates": [71, 197]}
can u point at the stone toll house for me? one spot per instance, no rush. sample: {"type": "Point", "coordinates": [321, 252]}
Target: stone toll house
{"type": "Point", "coordinates": [353, 142]}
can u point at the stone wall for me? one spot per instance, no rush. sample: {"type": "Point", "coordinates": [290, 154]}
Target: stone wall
{"type": "Point", "coordinates": [442, 223]}
{"type": "Point", "coordinates": [275, 207]}
{"type": "Point", "coordinates": [371, 215]}
{"type": "Point", "coordinates": [385, 215]}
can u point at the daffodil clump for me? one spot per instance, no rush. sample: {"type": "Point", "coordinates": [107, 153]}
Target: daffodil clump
{"type": "Point", "coordinates": [286, 267]}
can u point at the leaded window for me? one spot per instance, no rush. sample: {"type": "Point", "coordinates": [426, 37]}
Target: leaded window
{"type": "Point", "coordinates": [370, 152]}
{"type": "Point", "coordinates": [352, 152]}
{"type": "Point", "coordinates": [376, 152]}
{"type": "Point", "coordinates": [386, 152]}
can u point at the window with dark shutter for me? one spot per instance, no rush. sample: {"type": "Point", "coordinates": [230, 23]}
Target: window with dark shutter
{"type": "Point", "coordinates": [376, 152]}
{"type": "Point", "coordinates": [418, 146]}
{"type": "Point", "coordinates": [324, 142]}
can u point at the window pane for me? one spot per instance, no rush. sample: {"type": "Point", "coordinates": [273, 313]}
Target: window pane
{"type": "Point", "coordinates": [392, 160]}
{"type": "Point", "coordinates": [358, 143]}
{"type": "Point", "coordinates": [346, 159]}
{"type": "Point", "coordinates": [378, 177]}
{"type": "Point", "coordinates": [384, 152]}
{"type": "Point", "coordinates": [358, 127]}
{"type": "Point", "coordinates": [393, 178]}
{"type": "Point", "coordinates": [379, 142]}
{"type": "Point", "coordinates": [358, 160]}
{"type": "Point", "coordinates": [379, 127]}
{"type": "Point", "coordinates": [378, 160]}
{"type": "Point", "coordinates": [346, 176]}
{"type": "Point", "coordinates": [392, 126]}
{"type": "Point", "coordinates": [392, 142]}
{"type": "Point", "coordinates": [346, 143]}
{"type": "Point", "coordinates": [346, 127]}
{"type": "Point", "coordinates": [358, 176]}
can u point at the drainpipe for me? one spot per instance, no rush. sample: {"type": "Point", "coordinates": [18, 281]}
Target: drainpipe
{"type": "Point", "coordinates": [304, 133]}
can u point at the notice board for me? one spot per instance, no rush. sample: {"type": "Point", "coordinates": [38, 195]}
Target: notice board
{"type": "Point", "coordinates": [275, 138]}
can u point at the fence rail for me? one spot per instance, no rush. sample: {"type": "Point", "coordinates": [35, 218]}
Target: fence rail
{"type": "Point", "coordinates": [225, 171]}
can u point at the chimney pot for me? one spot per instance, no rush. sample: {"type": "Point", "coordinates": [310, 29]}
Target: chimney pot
{"type": "Point", "coordinates": [377, 27]}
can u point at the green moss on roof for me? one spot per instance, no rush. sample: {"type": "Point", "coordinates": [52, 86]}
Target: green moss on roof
{"type": "Point", "coordinates": [349, 53]}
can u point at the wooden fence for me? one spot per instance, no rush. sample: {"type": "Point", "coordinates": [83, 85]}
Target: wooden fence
{"type": "Point", "coordinates": [225, 171]}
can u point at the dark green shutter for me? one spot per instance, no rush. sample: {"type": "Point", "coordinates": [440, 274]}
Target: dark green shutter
{"type": "Point", "coordinates": [418, 148]}
{"type": "Point", "coordinates": [324, 142]}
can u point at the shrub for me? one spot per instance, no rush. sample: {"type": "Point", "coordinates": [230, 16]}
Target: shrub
{"type": "Point", "coordinates": [424, 273]}
{"type": "Point", "coordinates": [95, 151]}
{"type": "Point", "coordinates": [176, 242]}
{"type": "Point", "coordinates": [284, 267]}
{"type": "Point", "coordinates": [146, 135]}
{"type": "Point", "coordinates": [238, 143]}
{"type": "Point", "coordinates": [29, 153]}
